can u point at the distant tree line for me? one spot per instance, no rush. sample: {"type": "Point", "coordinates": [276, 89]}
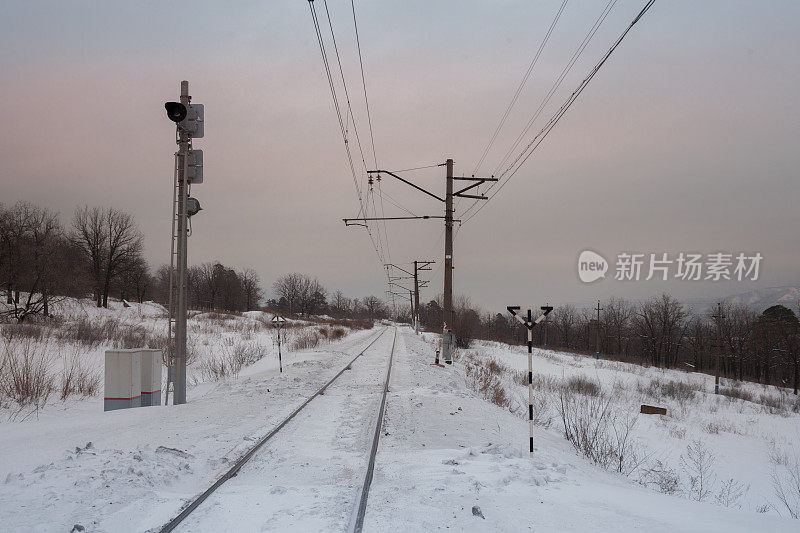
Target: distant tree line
{"type": "Point", "coordinates": [100, 254]}
{"type": "Point", "coordinates": [762, 347]}
{"type": "Point", "coordinates": [301, 294]}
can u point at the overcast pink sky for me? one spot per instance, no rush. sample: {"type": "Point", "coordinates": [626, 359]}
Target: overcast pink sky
{"type": "Point", "coordinates": [685, 141]}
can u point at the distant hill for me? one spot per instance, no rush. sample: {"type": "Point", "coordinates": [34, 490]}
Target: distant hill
{"type": "Point", "coordinates": [760, 299]}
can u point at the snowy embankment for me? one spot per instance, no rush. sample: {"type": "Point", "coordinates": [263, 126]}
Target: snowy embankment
{"type": "Point", "coordinates": [67, 462]}
{"type": "Point", "coordinates": [450, 458]}
{"type": "Point", "coordinates": [453, 452]}
{"type": "Point", "coordinates": [725, 451]}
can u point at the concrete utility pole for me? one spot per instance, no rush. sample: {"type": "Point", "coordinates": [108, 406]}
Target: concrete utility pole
{"type": "Point", "coordinates": [597, 333]}
{"type": "Point", "coordinates": [179, 369]}
{"type": "Point", "coordinates": [448, 338]}
{"type": "Point", "coordinates": [415, 310]}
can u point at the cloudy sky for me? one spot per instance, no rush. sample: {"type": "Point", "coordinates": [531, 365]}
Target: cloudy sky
{"type": "Point", "coordinates": [686, 141]}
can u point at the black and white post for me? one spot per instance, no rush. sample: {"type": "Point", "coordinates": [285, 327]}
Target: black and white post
{"type": "Point", "coordinates": [278, 322]}
{"type": "Point", "coordinates": [525, 317]}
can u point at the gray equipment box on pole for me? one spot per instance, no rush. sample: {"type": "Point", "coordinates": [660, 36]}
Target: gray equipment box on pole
{"type": "Point", "coordinates": [151, 377]}
{"type": "Point", "coordinates": [123, 374]}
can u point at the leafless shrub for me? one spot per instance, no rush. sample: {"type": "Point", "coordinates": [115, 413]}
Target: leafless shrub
{"type": "Point", "coordinates": [730, 493]}
{"type": "Point", "coordinates": [323, 332]}
{"type": "Point", "coordinates": [23, 330]}
{"type": "Point", "coordinates": [487, 383]}
{"type": "Point", "coordinates": [583, 385]}
{"type": "Point", "coordinates": [698, 464]}
{"type": "Point", "coordinates": [786, 480]}
{"type": "Point", "coordinates": [25, 377]}
{"type": "Point", "coordinates": [598, 432]}
{"type": "Point", "coordinates": [677, 432]}
{"type": "Point", "coordinates": [541, 382]}
{"type": "Point", "coordinates": [78, 378]}
{"type": "Point", "coordinates": [305, 340]}
{"type": "Point", "coordinates": [338, 333]}
{"type": "Point", "coordinates": [738, 393]}
{"type": "Point", "coordinates": [658, 388]}
{"type": "Point", "coordinates": [665, 479]}
{"type": "Point", "coordinates": [771, 404]}
{"type": "Point", "coordinates": [231, 360]}
{"type": "Point", "coordinates": [216, 368]}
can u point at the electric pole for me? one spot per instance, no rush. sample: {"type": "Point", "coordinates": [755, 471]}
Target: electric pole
{"type": "Point", "coordinates": [418, 266]}
{"type": "Point", "coordinates": [597, 333]}
{"type": "Point", "coordinates": [448, 339]}
{"type": "Point", "coordinates": [718, 318]}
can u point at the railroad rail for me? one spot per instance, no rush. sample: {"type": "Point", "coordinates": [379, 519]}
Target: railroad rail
{"type": "Point", "coordinates": [358, 514]}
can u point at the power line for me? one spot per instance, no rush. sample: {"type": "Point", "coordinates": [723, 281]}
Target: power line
{"type": "Point", "coordinates": [521, 85]}
{"type": "Point", "coordinates": [364, 84]}
{"type": "Point", "coordinates": [575, 56]}
{"type": "Point", "coordinates": [369, 122]}
{"type": "Point", "coordinates": [343, 128]}
{"type": "Point", "coordinates": [419, 168]}
{"type": "Point", "coordinates": [549, 95]}
{"type": "Point", "coordinates": [381, 240]}
{"type": "Point", "coordinates": [537, 140]}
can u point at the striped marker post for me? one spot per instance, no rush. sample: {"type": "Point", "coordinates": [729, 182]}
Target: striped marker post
{"type": "Point", "coordinates": [526, 319]}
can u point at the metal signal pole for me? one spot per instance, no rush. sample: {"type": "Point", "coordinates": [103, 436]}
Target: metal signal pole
{"type": "Point", "coordinates": [179, 368]}
{"type": "Point", "coordinates": [188, 169]}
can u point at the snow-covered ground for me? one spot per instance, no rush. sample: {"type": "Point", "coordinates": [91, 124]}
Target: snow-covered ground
{"type": "Point", "coordinates": [445, 448]}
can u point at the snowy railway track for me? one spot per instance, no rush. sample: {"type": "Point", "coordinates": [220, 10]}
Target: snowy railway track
{"type": "Point", "coordinates": [357, 519]}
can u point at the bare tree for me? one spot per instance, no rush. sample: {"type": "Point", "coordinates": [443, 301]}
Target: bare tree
{"type": "Point", "coordinates": [30, 239]}
{"type": "Point", "coordinates": [251, 285]}
{"type": "Point", "coordinates": [16, 225]}
{"type": "Point", "coordinates": [565, 318]}
{"type": "Point", "coordinates": [660, 325]}
{"type": "Point", "coordinates": [124, 244]}
{"type": "Point", "coordinates": [88, 234]}
{"type": "Point", "coordinates": [373, 306]}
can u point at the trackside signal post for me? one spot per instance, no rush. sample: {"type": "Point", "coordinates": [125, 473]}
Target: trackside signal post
{"type": "Point", "coordinates": [525, 317]}
{"type": "Point", "coordinates": [278, 322]}
{"type": "Point", "coordinates": [188, 169]}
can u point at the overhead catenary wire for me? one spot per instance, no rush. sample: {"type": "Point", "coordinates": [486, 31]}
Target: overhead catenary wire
{"type": "Point", "coordinates": [369, 122]}
{"type": "Point", "coordinates": [539, 138]}
{"type": "Point", "coordinates": [382, 254]}
{"type": "Point", "coordinates": [521, 85]}
{"type": "Point", "coordinates": [549, 95]}
{"type": "Point", "coordinates": [345, 122]}
{"type": "Point", "coordinates": [570, 64]}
